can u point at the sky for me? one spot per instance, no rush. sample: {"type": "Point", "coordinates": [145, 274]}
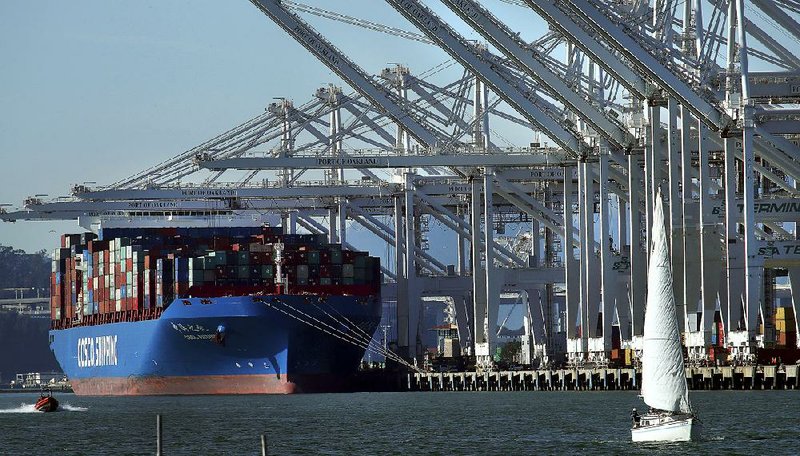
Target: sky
{"type": "Point", "coordinates": [96, 90]}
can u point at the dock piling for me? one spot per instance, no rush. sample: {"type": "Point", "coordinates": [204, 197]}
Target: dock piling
{"type": "Point", "coordinates": [158, 436]}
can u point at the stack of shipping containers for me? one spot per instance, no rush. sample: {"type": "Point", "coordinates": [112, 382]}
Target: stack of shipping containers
{"type": "Point", "coordinates": [131, 274]}
{"type": "Point", "coordinates": [785, 327]}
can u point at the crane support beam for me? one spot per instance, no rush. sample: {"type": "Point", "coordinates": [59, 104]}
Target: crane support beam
{"type": "Point", "coordinates": [510, 44]}
{"type": "Point", "coordinates": [222, 193]}
{"type": "Point", "coordinates": [587, 43]}
{"type": "Point", "coordinates": [471, 58]}
{"type": "Point", "coordinates": [339, 63]}
{"type": "Point", "coordinates": [779, 16]}
{"type": "Point", "coordinates": [459, 225]}
{"type": "Point", "coordinates": [550, 157]}
{"type": "Point", "coordinates": [644, 62]}
{"type": "Point", "coordinates": [387, 234]}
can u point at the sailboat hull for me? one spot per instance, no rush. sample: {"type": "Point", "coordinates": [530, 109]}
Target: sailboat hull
{"type": "Point", "coordinates": [666, 428]}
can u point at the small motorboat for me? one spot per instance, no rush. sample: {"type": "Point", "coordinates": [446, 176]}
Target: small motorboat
{"type": "Point", "coordinates": [46, 403]}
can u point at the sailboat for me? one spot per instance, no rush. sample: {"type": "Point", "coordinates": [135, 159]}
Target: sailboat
{"type": "Point", "coordinates": [664, 390]}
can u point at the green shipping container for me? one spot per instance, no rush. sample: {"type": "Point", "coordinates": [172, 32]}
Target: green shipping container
{"type": "Point", "coordinates": [347, 270]}
{"type": "Point", "coordinates": [360, 274]}
{"type": "Point", "coordinates": [197, 264]}
{"type": "Point", "coordinates": [302, 271]}
{"type": "Point", "coordinates": [220, 257]}
{"type": "Point", "coordinates": [197, 276]}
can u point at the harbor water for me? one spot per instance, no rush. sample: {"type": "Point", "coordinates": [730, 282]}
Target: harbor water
{"type": "Point", "coordinates": [479, 423]}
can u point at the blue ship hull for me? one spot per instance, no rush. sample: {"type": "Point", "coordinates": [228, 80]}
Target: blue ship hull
{"type": "Point", "coordinates": [230, 345]}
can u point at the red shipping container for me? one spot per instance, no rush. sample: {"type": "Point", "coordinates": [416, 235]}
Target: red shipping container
{"type": "Point", "coordinates": [97, 246]}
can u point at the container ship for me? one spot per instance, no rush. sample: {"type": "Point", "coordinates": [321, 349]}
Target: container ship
{"type": "Point", "coordinates": [210, 311]}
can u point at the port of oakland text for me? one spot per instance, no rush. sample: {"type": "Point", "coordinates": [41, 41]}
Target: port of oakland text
{"type": "Point", "coordinates": [97, 351]}
{"type": "Point", "coordinates": [348, 161]}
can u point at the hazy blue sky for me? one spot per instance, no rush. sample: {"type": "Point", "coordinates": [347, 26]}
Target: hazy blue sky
{"type": "Point", "coordinates": [96, 90]}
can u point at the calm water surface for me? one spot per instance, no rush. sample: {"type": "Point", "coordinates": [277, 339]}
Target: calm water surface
{"type": "Point", "coordinates": [522, 423]}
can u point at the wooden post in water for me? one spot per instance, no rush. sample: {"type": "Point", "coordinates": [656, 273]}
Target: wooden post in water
{"type": "Point", "coordinates": [158, 435]}
{"type": "Point", "coordinates": [263, 444]}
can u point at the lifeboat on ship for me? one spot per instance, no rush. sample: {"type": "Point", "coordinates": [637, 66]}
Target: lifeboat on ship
{"type": "Point", "coordinates": [46, 403]}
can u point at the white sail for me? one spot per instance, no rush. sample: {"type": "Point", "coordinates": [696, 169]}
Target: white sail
{"type": "Point", "coordinates": [663, 372]}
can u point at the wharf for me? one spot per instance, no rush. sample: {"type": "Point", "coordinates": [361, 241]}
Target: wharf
{"type": "Point", "coordinates": [35, 390]}
{"type": "Point", "coordinates": [604, 379]}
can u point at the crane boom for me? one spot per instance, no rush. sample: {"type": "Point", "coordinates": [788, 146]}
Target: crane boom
{"type": "Point", "coordinates": [515, 49]}
{"type": "Point", "coordinates": [354, 75]}
{"type": "Point", "coordinates": [520, 99]}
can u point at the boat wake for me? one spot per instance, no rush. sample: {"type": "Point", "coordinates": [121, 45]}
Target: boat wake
{"type": "Point", "coordinates": [23, 408]}
{"type": "Point", "coordinates": [29, 408]}
{"type": "Point", "coordinates": [72, 408]}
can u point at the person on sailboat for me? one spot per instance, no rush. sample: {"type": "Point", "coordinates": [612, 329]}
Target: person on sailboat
{"type": "Point", "coordinates": [635, 417]}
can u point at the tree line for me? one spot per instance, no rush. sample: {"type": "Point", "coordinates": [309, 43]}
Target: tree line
{"type": "Point", "coordinates": [19, 269]}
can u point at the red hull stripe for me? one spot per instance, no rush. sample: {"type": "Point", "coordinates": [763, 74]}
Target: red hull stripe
{"type": "Point", "coordinates": [206, 384]}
